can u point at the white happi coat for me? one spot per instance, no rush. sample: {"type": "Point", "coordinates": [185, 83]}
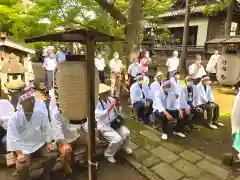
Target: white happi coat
{"type": "Point", "coordinates": [164, 102]}
{"type": "Point", "coordinates": [204, 96]}
{"type": "Point", "coordinates": [154, 87]}
{"type": "Point", "coordinates": [175, 86]}
{"type": "Point", "coordinates": [62, 129]}
{"type": "Point", "coordinates": [136, 93]}
{"type": "Point", "coordinates": [6, 110]}
{"type": "Point", "coordinates": [118, 137]}
{"type": "Point", "coordinates": [184, 97]}
{"type": "Point", "coordinates": [235, 119]}
{"type": "Point", "coordinates": [29, 136]}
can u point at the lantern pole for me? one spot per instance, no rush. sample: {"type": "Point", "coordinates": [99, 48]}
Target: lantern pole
{"type": "Point", "coordinates": [92, 164]}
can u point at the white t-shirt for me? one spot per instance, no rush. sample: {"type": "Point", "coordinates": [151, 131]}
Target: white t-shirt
{"type": "Point", "coordinates": [212, 63]}
{"type": "Point", "coordinates": [193, 70]}
{"type": "Point", "coordinates": [134, 69]}
{"type": "Point", "coordinates": [100, 64]}
{"type": "Point", "coordinates": [50, 63]}
{"type": "Point", "coordinates": [115, 65]}
{"type": "Point", "coordinates": [172, 64]}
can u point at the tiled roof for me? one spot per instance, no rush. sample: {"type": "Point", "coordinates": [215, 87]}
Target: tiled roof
{"type": "Point", "coordinates": [9, 43]}
{"type": "Point", "coordinates": [181, 12]}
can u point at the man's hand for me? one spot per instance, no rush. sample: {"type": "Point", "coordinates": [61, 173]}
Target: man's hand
{"type": "Point", "coordinates": [112, 105]}
{"type": "Point", "coordinates": [180, 115]}
{"type": "Point", "coordinates": [170, 118]}
{"type": "Point", "coordinates": [67, 147]}
{"type": "Point", "coordinates": [187, 111]}
{"type": "Point", "coordinates": [50, 147]}
{"type": "Point", "coordinates": [21, 158]}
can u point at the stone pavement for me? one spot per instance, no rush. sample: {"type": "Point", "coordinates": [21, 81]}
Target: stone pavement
{"type": "Point", "coordinates": [163, 160]}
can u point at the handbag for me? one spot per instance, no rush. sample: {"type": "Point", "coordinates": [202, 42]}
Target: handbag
{"type": "Point", "coordinates": [236, 141]}
{"type": "Point", "coordinates": [118, 121]}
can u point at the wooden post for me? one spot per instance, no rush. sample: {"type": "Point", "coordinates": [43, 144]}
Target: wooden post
{"type": "Point", "coordinates": [92, 167]}
{"type": "Point", "coordinates": [185, 38]}
{"type": "Point", "coordinates": [228, 23]}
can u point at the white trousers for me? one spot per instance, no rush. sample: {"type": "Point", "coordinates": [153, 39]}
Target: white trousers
{"type": "Point", "coordinates": [117, 139]}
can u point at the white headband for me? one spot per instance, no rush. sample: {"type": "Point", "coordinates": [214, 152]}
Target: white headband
{"type": "Point", "coordinates": [165, 83]}
{"type": "Point", "coordinates": [27, 95]}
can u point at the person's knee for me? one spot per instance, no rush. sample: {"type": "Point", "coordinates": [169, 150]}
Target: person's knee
{"type": "Point", "coordinates": [22, 166]}
{"type": "Point", "coordinates": [117, 140]}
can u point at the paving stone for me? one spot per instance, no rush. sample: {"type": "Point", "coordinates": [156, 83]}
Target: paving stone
{"type": "Point", "coordinates": [238, 178]}
{"type": "Point", "coordinates": [164, 154]}
{"type": "Point", "coordinates": [167, 172]}
{"type": "Point", "coordinates": [206, 176]}
{"type": "Point", "coordinates": [213, 169]}
{"type": "Point", "coordinates": [151, 161]}
{"type": "Point", "coordinates": [141, 154]}
{"type": "Point", "coordinates": [187, 168]}
{"type": "Point", "coordinates": [150, 135]}
{"type": "Point", "coordinates": [132, 146]}
{"type": "Point", "coordinates": [190, 156]}
{"type": "Point", "coordinates": [173, 147]}
{"type": "Point", "coordinates": [185, 179]}
{"type": "Point", "coordinates": [210, 158]}
{"type": "Point", "coordinates": [149, 174]}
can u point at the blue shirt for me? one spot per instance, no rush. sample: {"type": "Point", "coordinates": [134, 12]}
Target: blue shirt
{"type": "Point", "coordinates": [61, 56]}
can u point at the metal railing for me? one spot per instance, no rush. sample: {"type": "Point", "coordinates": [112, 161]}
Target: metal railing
{"type": "Point", "coordinates": [193, 48]}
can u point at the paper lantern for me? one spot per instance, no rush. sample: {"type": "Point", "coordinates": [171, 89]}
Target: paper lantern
{"type": "Point", "coordinates": [228, 69]}
{"type": "Point", "coordinates": [71, 80]}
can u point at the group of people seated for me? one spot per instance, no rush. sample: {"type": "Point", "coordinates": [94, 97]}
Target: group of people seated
{"type": "Point", "coordinates": [166, 100]}
{"type": "Point", "coordinates": [37, 131]}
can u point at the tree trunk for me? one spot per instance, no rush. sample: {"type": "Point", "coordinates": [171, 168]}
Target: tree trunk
{"type": "Point", "coordinates": [228, 23]}
{"type": "Point", "coordinates": [134, 15]}
{"type": "Point", "coordinates": [185, 38]}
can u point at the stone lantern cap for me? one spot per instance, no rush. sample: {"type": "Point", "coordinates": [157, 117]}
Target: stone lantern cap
{"type": "Point", "coordinates": [13, 66]}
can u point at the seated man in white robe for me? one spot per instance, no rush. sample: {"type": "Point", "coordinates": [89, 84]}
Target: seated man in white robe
{"type": "Point", "coordinates": [69, 137]}
{"type": "Point", "coordinates": [110, 124]}
{"type": "Point", "coordinates": [156, 84]}
{"type": "Point", "coordinates": [166, 108]}
{"type": "Point", "coordinates": [188, 99]}
{"type": "Point", "coordinates": [6, 110]}
{"type": "Point", "coordinates": [29, 136]}
{"type": "Point", "coordinates": [205, 101]}
{"type": "Point", "coordinates": [141, 99]}
{"type": "Point", "coordinates": [175, 84]}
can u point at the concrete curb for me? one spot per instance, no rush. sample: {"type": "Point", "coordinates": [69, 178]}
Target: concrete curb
{"type": "Point", "coordinates": [141, 168]}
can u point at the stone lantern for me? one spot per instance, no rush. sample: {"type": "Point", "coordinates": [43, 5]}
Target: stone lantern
{"type": "Point", "coordinates": [14, 73]}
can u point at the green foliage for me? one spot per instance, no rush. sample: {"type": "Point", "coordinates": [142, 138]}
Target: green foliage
{"type": "Point", "coordinates": [20, 20]}
{"type": "Point", "coordinates": [220, 6]}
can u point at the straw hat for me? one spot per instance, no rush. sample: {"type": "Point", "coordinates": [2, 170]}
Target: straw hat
{"type": "Point", "coordinates": [103, 88]}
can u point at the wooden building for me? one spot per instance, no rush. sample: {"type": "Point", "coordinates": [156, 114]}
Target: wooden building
{"type": "Point", "coordinates": [13, 62]}
{"type": "Point", "coordinates": [202, 27]}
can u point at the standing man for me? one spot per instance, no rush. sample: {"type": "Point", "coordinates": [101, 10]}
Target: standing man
{"type": "Point", "coordinates": [116, 70]}
{"type": "Point", "coordinates": [29, 135]}
{"type": "Point", "coordinates": [196, 70]}
{"type": "Point", "coordinates": [134, 69]}
{"type": "Point", "coordinates": [211, 66]}
{"type": "Point", "coordinates": [145, 62]}
{"type": "Point", "coordinates": [50, 64]}
{"type": "Point", "coordinates": [172, 64]}
{"type": "Point", "coordinates": [100, 65]}
{"type": "Point", "coordinates": [61, 54]}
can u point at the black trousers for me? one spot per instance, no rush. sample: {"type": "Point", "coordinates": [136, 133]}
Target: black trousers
{"type": "Point", "coordinates": [196, 81]}
{"type": "Point", "coordinates": [101, 76]}
{"type": "Point", "coordinates": [212, 111]}
{"type": "Point", "coordinates": [164, 121]}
